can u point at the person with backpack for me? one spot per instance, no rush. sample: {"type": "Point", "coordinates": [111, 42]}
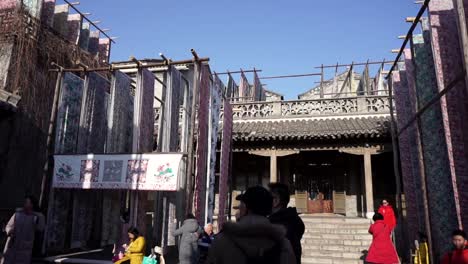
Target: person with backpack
{"type": "Point", "coordinates": [459, 255]}
{"type": "Point", "coordinates": [190, 231]}
{"type": "Point", "coordinates": [21, 231]}
{"type": "Point", "coordinates": [253, 240]}
{"type": "Point", "coordinates": [382, 250]}
{"type": "Point", "coordinates": [287, 217]}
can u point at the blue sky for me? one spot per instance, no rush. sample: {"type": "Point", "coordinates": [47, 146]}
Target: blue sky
{"type": "Point", "coordinates": [278, 37]}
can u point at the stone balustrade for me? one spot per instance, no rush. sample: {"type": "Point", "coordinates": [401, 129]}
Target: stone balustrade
{"type": "Point", "coordinates": [360, 105]}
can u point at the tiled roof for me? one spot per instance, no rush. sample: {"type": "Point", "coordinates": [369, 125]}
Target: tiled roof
{"type": "Point", "coordinates": [312, 128]}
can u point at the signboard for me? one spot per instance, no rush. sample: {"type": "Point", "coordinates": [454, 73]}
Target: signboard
{"type": "Point", "coordinates": [149, 172]}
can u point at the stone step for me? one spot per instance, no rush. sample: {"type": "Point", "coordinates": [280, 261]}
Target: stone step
{"type": "Point", "coordinates": [332, 254]}
{"type": "Point", "coordinates": [344, 231]}
{"type": "Point", "coordinates": [363, 243]}
{"type": "Point", "coordinates": [340, 248]}
{"type": "Point", "coordinates": [334, 220]}
{"type": "Point", "coordinates": [314, 260]}
{"type": "Point", "coordinates": [337, 226]}
{"type": "Point", "coordinates": [323, 236]}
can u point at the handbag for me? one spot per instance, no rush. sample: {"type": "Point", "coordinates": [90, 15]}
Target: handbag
{"type": "Point", "coordinates": [149, 260]}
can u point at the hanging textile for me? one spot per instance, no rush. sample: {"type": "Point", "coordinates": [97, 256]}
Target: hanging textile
{"type": "Point", "coordinates": [74, 28]}
{"type": "Point", "coordinates": [170, 124]}
{"type": "Point", "coordinates": [60, 19]}
{"type": "Point", "coordinates": [111, 217]}
{"type": "Point", "coordinates": [33, 6]}
{"type": "Point", "coordinates": [449, 64]}
{"type": "Point", "coordinates": [92, 138]}
{"type": "Point", "coordinates": [364, 85]}
{"type": "Point", "coordinates": [244, 89]}
{"type": "Point", "coordinates": [93, 44]}
{"type": "Point", "coordinates": [202, 143]}
{"type": "Point", "coordinates": [8, 4]}
{"type": "Point", "coordinates": [84, 36]}
{"type": "Point", "coordinates": [121, 107]}
{"type": "Point", "coordinates": [414, 184]}
{"type": "Point", "coordinates": [6, 52]}
{"type": "Point", "coordinates": [143, 134]}
{"type": "Point", "coordinates": [403, 108]}
{"type": "Point", "coordinates": [66, 136]}
{"type": "Point", "coordinates": [258, 90]}
{"type": "Point", "coordinates": [119, 140]}
{"type": "Point", "coordinates": [68, 114]}
{"type": "Point", "coordinates": [104, 50]}
{"type": "Point", "coordinates": [143, 113]}
{"type": "Point", "coordinates": [225, 163]}
{"type": "Point", "coordinates": [215, 111]}
{"type": "Point", "coordinates": [439, 183]}
{"type": "Point", "coordinates": [47, 15]}
{"type": "Point", "coordinates": [93, 130]}
{"type": "Point", "coordinates": [232, 91]}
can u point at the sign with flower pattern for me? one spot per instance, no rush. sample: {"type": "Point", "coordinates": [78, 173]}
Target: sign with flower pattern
{"type": "Point", "coordinates": [150, 172]}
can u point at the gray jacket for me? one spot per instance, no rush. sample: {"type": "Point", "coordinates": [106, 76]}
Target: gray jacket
{"type": "Point", "coordinates": [188, 248]}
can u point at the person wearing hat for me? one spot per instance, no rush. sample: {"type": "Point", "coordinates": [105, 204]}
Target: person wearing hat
{"type": "Point", "coordinates": [253, 239]}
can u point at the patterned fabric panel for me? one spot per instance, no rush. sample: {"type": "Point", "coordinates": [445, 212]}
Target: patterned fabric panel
{"type": "Point", "coordinates": [439, 184]}
{"type": "Point", "coordinates": [120, 122]}
{"type": "Point", "coordinates": [60, 19]}
{"type": "Point", "coordinates": [215, 111]}
{"type": "Point", "coordinates": [74, 28]}
{"type": "Point", "coordinates": [225, 162]}
{"type": "Point", "coordinates": [93, 130]}
{"type": "Point", "coordinates": [68, 114]}
{"type": "Point", "coordinates": [84, 36]}
{"type": "Point", "coordinates": [202, 144]}
{"type": "Point", "coordinates": [448, 57]}
{"type": "Point", "coordinates": [47, 15]}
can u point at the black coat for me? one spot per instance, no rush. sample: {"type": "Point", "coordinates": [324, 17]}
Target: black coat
{"type": "Point", "coordinates": [295, 228]}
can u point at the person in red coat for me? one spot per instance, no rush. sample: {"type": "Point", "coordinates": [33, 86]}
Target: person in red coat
{"type": "Point", "coordinates": [389, 215]}
{"type": "Point", "coordinates": [460, 254]}
{"type": "Point", "coordinates": [382, 250]}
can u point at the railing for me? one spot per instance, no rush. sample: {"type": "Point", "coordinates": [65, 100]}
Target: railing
{"type": "Point", "coordinates": [316, 107]}
{"type": "Point", "coordinates": [360, 105]}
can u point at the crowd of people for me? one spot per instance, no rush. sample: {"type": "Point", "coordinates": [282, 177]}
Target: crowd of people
{"type": "Point", "coordinates": [266, 231]}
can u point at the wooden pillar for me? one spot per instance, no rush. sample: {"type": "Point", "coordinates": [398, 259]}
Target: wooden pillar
{"type": "Point", "coordinates": [273, 154]}
{"type": "Point", "coordinates": [273, 167]}
{"type": "Point", "coordinates": [367, 153]}
{"type": "Point", "coordinates": [368, 184]}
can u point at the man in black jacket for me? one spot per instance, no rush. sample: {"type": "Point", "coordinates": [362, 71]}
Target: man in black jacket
{"type": "Point", "coordinates": [288, 217]}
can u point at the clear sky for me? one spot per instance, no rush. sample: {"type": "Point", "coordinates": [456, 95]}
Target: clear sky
{"type": "Point", "coordinates": [278, 37]}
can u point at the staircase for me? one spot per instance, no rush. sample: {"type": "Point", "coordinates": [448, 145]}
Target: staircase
{"type": "Point", "coordinates": [334, 239]}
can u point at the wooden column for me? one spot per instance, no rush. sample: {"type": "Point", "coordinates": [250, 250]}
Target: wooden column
{"type": "Point", "coordinates": [367, 153]}
{"type": "Point", "coordinates": [368, 183]}
{"type": "Point", "coordinates": [273, 154]}
{"type": "Point", "coordinates": [273, 167]}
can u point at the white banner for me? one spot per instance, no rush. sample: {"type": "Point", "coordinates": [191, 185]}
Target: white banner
{"type": "Point", "coordinates": [150, 172]}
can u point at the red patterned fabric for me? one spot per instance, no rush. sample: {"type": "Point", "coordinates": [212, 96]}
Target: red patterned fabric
{"type": "Point", "coordinates": [202, 144]}
{"type": "Point", "coordinates": [244, 89]}
{"type": "Point", "coordinates": [226, 146]}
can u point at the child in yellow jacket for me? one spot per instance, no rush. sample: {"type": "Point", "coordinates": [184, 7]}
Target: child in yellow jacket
{"type": "Point", "coordinates": [134, 252]}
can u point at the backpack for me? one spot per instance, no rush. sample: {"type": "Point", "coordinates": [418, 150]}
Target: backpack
{"type": "Point", "coordinates": [269, 256]}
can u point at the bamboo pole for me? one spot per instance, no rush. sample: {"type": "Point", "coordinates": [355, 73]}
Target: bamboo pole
{"type": "Point", "coordinates": [409, 35]}
{"type": "Point", "coordinates": [114, 67]}
{"type": "Point", "coordinates": [233, 72]}
{"type": "Point", "coordinates": [355, 64]}
{"type": "Point", "coordinates": [50, 132]}
{"type": "Point", "coordinates": [72, 5]}
{"type": "Point", "coordinates": [291, 76]}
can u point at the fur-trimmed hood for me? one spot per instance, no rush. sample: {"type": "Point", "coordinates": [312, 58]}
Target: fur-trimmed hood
{"type": "Point", "coordinates": [254, 234]}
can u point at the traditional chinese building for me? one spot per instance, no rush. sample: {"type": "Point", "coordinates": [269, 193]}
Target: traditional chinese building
{"type": "Point", "coordinates": [335, 153]}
